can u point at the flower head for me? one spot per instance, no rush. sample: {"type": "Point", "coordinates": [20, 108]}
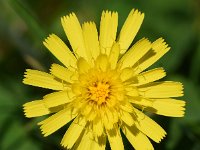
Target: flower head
{"type": "Point", "coordinates": [102, 86]}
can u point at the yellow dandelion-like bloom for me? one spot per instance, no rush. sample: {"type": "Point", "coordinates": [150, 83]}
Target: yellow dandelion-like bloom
{"type": "Point", "coordinates": [102, 86]}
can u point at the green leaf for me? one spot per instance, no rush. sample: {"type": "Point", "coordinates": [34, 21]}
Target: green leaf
{"type": "Point", "coordinates": [195, 69]}
{"type": "Point", "coordinates": [13, 135]}
{"type": "Point", "coordinates": [29, 145]}
{"type": "Point", "coordinates": [12, 95]}
{"type": "Point", "coordinates": [174, 135]}
{"type": "Point", "coordinates": [28, 16]}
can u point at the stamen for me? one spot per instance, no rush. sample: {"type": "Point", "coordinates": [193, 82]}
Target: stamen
{"type": "Point", "coordinates": [99, 92]}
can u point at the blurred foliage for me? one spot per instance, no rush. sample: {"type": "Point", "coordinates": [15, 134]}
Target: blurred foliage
{"type": "Point", "coordinates": [24, 25]}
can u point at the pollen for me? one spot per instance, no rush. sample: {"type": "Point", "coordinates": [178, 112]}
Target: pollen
{"type": "Point", "coordinates": [99, 92]}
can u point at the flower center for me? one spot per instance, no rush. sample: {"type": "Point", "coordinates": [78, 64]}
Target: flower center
{"type": "Point", "coordinates": [99, 92]}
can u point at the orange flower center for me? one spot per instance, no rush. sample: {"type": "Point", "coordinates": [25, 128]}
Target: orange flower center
{"type": "Point", "coordinates": [99, 92]}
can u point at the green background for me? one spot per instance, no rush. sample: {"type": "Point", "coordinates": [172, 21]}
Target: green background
{"type": "Point", "coordinates": [25, 24]}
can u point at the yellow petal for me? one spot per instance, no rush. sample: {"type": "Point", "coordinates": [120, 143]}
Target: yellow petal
{"type": "Point", "coordinates": [167, 107]}
{"type": "Point", "coordinates": [74, 34]}
{"type": "Point", "coordinates": [73, 132]}
{"type": "Point", "coordinates": [114, 116]}
{"type": "Point", "coordinates": [137, 139]}
{"type": "Point", "coordinates": [99, 143]}
{"type": "Point", "coordinates": [56, 121]}
{"type": "Point", "coordinates": [127, 118]}
{"type": "Point", "coordinates": [42, 79]}
{"type": "Point", "coordinates": [149, 76]}
{"type": "Point", "coordinates": [127, 107]}
{"type": "Point", "coordinates": [35, 109]}
{"type": "Point", "coordinates": [114, 54]}
{"type": "Point", "coordinates": [98, 126]}
{"type": "Point", "coordinates": [58, 98]}
{"type": "Point", "coordinates": [60, 50]}
{"type": "Point", "coordinates": [63, 73]}
{"type": "Point", "coordinates": [87, 110]}
{"type": "Point", "coordinates": [159, 48]}
{"type": "Point", "coordinates": [130, 29]}
{"type": "Point", "coordinates": [82, 65]}
{"type": "Point", "coordinates": [132, 91]}
{"type": "Point", "coordinates": [76, 88]}
{"type": "Point", "coordinates": [89, 142]}
{"type": "Point", "coordinates": [110, 117]}
{"type": "Point", "coordinates": [115, 139]}
{"type": "Point", "coordinates": [108, 30]}
{"type": "Point", "coordinates": [91, 116]}
{"type": "Point", "coordinates": [148, 126]}
{"type": "Point", "coordinates": [126, 74]}
{"type": "Point", "coordinates": [106, 116]}
{"type": "Point", "coordinates": [85, 142]}
{"type": "Point", "coordinates": [102, 63]}
{"type": "Point", "coordinates": [91, 40]}
{"type": "Point", "coordinates": [137, 51]}
{"type": "Point", "coordinates": [161, 89]}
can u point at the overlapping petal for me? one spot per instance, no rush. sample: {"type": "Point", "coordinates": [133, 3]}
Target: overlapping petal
{"type": "Point", "coordinates": [74, 34]}
{"type": "Point", "coordinates": [130, 29]}
{"type": "Point", "coordinates": [35, 109]}
{"type": "Point", "coordinates": [108, 31]}
{"type": "Point", "coordinates": [42, 79]}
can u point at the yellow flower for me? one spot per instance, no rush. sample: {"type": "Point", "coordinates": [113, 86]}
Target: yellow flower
{"type": "Point", "coordinates": [102, 86]}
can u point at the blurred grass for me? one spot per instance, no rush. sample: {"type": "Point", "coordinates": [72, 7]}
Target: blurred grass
{"type": "Point", "coordinates": [24, 25]}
